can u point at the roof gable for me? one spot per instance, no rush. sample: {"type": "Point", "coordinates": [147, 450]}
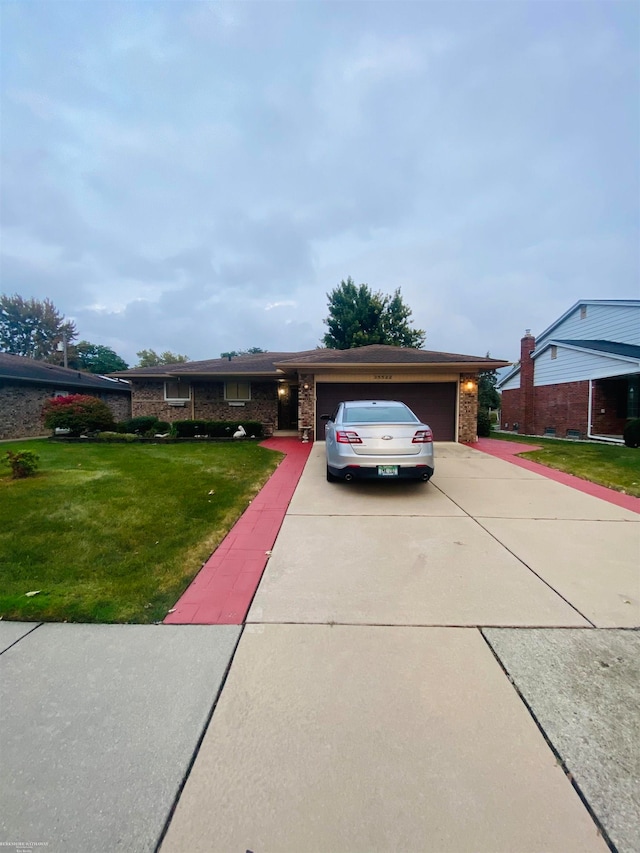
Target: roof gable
{"type": "Point", "coordinates": [585, 303]}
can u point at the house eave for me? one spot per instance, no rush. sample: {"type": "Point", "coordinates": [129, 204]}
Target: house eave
{"type": "Point", "coordinates": [414, 367]}
{"type": "Point", "coordinates": [602, 353]}
{"type": "Point", "coordinates": [65, 383]}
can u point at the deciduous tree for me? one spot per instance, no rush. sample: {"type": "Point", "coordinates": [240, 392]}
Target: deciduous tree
{"type": "Point", "coordinates": [488, 395]}
{"type": "Point", "coordinates": [32, 328]}
{"type": "Point", "coordinates": [235, 352]}
{"type": "Point", "coordinates": [359, 317]}
{"type": "Point", "coordinates": [96, 358]}
{"type": "Point", "coordinates": [150, 358]}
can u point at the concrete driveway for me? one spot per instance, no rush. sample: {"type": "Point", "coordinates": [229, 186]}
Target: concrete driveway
{"type": "Point", "coordinates": [384, 693]}
{"type": "Point", "coordinates": [445, 667]}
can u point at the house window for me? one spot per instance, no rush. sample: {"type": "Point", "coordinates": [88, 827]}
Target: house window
{"type": "Point", "coordinates": [237, 390]}
{"type": "Point", "coordinates": [583, 312]}
{"type": "Point", "coordinates": [174, 390]}
{"type": "Point", "coordinates": [554, 352]}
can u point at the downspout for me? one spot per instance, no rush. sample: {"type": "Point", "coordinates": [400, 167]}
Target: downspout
{"type": "Point", "coordinates": [589, 417]}
{"type": "Point", "coordinates": [193, 402]}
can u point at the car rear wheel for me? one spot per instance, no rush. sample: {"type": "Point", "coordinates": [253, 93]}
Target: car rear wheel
{"type": "Point", "coordinates": [331, 478]}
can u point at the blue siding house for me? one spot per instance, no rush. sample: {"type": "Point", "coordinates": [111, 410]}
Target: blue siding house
{"type": "Point", "coordinates": [581, 376]}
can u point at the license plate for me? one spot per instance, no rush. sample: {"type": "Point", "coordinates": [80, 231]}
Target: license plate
{"type": "Point", "coordinates": [387, 470]}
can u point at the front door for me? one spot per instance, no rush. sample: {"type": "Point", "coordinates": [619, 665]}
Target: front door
{"type": "Point", "coordinates": [287, 406]}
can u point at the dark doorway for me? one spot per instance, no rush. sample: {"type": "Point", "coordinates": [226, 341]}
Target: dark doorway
{"type": "Point", "coordinates": [287, 406]}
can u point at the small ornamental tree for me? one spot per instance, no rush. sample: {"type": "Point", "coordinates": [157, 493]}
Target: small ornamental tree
{"type": "Point", "coordinates": [79, 413]}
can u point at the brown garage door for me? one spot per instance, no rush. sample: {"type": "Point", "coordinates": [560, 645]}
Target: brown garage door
{"type": "Point", "coordinates": [434, 403]}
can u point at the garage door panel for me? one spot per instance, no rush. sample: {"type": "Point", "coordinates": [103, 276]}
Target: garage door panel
{"type": "Point", "coordinates": [434, 403]}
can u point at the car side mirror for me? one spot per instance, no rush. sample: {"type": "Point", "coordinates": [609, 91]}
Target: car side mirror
{"type": "Point", "coordinates": [325, 417]}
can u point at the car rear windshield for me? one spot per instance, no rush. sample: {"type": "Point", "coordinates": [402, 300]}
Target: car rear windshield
{"type": "Point", "coordinates": [378, 415]}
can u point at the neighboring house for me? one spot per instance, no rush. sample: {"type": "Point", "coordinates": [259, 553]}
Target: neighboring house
{"type": "Point", "coordinates": [581, 377]}
{"type": "Point", "coordinates": [26, 384]}
{"type": "Point", "coordinates": [291, 390]}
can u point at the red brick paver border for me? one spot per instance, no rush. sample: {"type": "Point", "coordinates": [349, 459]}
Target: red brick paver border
{"type": "Point", "coordinates": [223, 589]}
{"type": "Point", "coordinates": [508, 449]}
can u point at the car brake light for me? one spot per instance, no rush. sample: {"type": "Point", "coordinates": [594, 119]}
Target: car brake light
{"type": "Point", "coordinates": [422, 436]}
{"type": "Point", "coordinates": [348, 437]}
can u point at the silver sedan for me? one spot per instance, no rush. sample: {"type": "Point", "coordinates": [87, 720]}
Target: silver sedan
{"type": "Point", "coordinates": [377, 439]}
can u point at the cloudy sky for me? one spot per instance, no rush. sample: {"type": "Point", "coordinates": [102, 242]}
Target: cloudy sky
{"type": "Point", "coordinates": [196, 176]}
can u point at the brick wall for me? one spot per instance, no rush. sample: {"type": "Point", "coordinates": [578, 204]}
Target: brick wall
{"type": "Point", "coordinates": [207, 403]}
{"type": "Point", "coordinates": [511, 412]}
{"type": "Point", "coordinates": [21, 407]}
{"type": "Point", "coordinates": [306, 403]}
{"type": "Point", "coordinates": [468, 411]}
{"type": "Point", "coordinates": [561, 407]}
{"type": "Point", "coordinates": [609, 406]}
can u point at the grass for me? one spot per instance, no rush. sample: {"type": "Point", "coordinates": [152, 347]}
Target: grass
{"type": "Point", "coordinates": [115, 533]}
{"type": "Point", "coordinates": [611, 465]}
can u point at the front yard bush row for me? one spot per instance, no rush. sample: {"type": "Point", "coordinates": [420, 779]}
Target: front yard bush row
{"type": "Point", "coordinates": [82, 415]}
{"type": "Point", "coordinates": [215, 429]}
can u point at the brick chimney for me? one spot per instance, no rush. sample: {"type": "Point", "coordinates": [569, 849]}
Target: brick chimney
{"type": "Point", "coordinates": [527, 413]}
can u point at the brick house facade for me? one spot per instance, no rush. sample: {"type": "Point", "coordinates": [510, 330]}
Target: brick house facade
{"type": "Point", "coordinates": [286, 391]}
{"type": "Point", "coordinates": [25, 386]}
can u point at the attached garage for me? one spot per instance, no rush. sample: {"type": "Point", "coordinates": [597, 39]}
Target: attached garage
{"type": "Point", "coordinates": [433, 402]}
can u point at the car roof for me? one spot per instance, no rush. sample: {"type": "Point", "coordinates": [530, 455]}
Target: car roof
{"type": "Point", "coordinates": [373, 403]}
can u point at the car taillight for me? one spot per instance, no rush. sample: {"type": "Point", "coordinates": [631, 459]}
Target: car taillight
{"type": "Point", "coordinates": [347, 437]}
{"type": "Point", "coordinates": [422, 436]}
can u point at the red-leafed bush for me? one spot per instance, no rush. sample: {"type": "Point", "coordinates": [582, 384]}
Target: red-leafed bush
{"type": "Point", "coordinates": [79, 413]}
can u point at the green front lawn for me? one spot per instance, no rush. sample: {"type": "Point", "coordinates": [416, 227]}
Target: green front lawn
{"type": "Point", "coordinates": [115, 533]}
{"type": "Point", "coordinates": [611, 465]}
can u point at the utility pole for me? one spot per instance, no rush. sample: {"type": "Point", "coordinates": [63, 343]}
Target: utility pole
{"type": "Point", "coordinates": [63, 347]}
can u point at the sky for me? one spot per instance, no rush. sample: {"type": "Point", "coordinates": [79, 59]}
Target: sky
{"type": "Point", "coordinates": [197, 177]}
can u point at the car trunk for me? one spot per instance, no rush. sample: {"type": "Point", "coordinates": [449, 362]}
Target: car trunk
{"type": "Point", "coordinates": [385, 439]}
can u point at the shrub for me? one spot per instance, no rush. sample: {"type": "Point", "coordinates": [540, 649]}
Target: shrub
{"type": "Point", "coordinates": [484, 424]}
{"type": "Point", "coordinates": [189, 429]}
{"type": "Point", "coordinates": [215, 429]}
{"type": "Point", "coordinates": [139, 425]}
{"type": "Point", "coordinates": [631, 433]}
{"type": "Point", "coordinates": [79, 413]}
{"type": "Point", "coordinates": [107, 435]}
{"type": "Point", "coordinates": [23, 463]}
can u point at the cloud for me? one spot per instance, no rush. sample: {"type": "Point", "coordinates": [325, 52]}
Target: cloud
{"type": "Point", "coordinates": [174, 173]}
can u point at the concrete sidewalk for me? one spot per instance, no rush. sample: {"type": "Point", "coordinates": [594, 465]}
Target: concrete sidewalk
{"type": "Point", "coordinates": [444, 667]}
